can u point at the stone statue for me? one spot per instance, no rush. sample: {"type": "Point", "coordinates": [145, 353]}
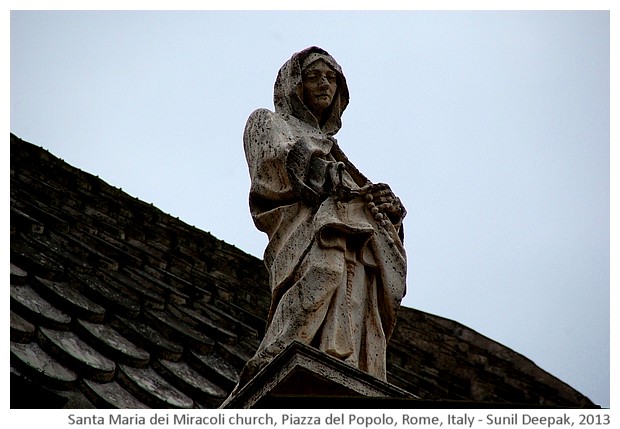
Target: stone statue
{"type": "Point", "coordinates": [335, 256]}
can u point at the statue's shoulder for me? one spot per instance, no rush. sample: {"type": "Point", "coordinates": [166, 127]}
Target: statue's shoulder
{"type": "Point", "coordinates": [262, 115]}
{"type": "Point", "coordinates": [264, 119]}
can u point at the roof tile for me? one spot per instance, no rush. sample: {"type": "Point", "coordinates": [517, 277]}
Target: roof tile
{"type": "Point", "coordinates": [34, 261]}
{"type": "Point", "coordinates": [151, 298]}
{"type": "Point", "coordinates": [189, 380]}
{"type": "Point", "coordinates": [215, 368]}
{"type": "Point", "coordinates": [21, 220]}
{"type": "Point", "coordinates": [112, 343]}
{"type": "Point", "coordinates": [117, 300]}
{"type": "Point", "coordinates": [36, 364]}
{"type": "Point", "coordinates": [147, 337]}
{"type": "Point", "coordinates": [206, 325]}
{"type": "Point", "coordinates": [22, 331]}
{"type": "Point", "coordinates": [168, 292]}
{"type": "Point", "coordinates": [175, 327]}
{"type": "Point", "coordinates": [68, 347]}
{"type": "Point", "coordinates": [26, 301]}
{"type": "Point", "coordinates": [18, 276]}
{"type": "Point", "coordinates": [110, 395]}
{"type": "Point", "coordinates": [152, 389]}
{"type": "Point", "coordinates": [70, 299]}
{"type": "Point", "coordinates": [235, 354]}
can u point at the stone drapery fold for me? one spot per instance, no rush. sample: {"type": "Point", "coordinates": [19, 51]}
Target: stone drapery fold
{"type": "Point", "coordinates": [337, 276]}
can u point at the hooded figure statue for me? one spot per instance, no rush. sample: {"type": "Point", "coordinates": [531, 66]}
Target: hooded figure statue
{"type": "Point", "coordinates": [335, 257]}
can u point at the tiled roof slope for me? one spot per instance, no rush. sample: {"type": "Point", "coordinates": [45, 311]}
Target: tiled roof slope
{"type": "Point", "coordinates": [117, 304]}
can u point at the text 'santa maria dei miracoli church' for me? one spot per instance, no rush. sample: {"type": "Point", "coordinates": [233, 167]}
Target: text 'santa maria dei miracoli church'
{"type": "Point", "coordinates": [115, 304]}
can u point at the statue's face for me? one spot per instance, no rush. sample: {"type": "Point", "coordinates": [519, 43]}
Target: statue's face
{"type": "Point", "coordinates": [320, 85]}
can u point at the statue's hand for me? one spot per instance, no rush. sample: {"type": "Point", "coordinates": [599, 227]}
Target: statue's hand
{"type": "Point", "coordinates": [383, 203]}
{"type": "Point", "coordinates": [335, 171]}
{"type": "Point", "coordinates": [339, 188]}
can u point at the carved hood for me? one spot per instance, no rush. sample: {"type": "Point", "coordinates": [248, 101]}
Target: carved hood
{"type": "Point", "coordinates": [288, 91]}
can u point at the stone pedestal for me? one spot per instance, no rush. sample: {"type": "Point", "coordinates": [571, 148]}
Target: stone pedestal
{"type": "Point", "coordinates": [303, 377]}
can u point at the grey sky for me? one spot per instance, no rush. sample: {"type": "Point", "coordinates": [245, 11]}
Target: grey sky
{"type": "Point", "coordinates": [492, 127]}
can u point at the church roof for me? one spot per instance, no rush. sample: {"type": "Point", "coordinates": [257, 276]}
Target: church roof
{"type": "Point", "coordinates": [116, 304]}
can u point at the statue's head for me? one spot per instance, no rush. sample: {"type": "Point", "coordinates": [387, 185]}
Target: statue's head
{"type": "Point", "coordinates": [320, 82]}
{"type": "Point", "coordinates": [311, 87]}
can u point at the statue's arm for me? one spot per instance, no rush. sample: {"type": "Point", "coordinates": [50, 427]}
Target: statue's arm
{"type": "Point", "coordinates": [313, 177]}
{"type": "Point", "coordinates": [284, 168]}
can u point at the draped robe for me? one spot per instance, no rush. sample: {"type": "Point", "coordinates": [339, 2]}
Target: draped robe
{"type": "Point", "coordinates": [337, 276]}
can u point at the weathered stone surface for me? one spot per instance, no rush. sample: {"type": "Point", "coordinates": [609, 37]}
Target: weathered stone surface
{"type": "Point", "coordinates": [72, 299]}
{"type": "Point", "coordinates": [215, 368]}
{"type": "Point", "coordinates": [186, 378]}
{"type": "Point", "coordinates": [18, 276]}
{"type": "Point", "coordinates": [152, 389]}
{"type": "Point", "coordinates": [225, 319]}
{"type": "Point", "coordinates": [33, 260]}
{"type": "Point", "coordinates": [207, 326]}
{"type": "Point", "coordinates": [114, 344]}
{"type": "Point", "coordinates": [235, 354]}
{"type": "Point", "coordinates": [150, 339]}
{"type": "Point", "coordinates": [149, 298]}
{"type": "Point", "coordinates": [174, 327]}
{"type": "Point", "coordinates": [35, 363]}
{"type": "Point", "coordinates": [302, 371]}
{"type": "Point", "coordinates": [70, 348]}
{"type": "Point", "coordinates": [117, 300]}
{"type": "Point", "coordinates": [163, 289]}
{"type": "Point", "coordinates": [336, 260]}
{"type": "Point", "coordinates": [111, 395]}
{"type": "Point", "coordinates": [27, 301]}
{"type": "Point", "coordinates": [22, 331]}
{"type": "Point", "coordinates": [22, 220]}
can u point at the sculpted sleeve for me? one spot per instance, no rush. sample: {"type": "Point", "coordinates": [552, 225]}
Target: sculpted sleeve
{"type": "Point", "coordinates": [285, 166]}
{"type": "Point", "coordinates": [266, 149]}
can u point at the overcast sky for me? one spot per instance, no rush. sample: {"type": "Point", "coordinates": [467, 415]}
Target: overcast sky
{"type": "Point", "coordinates": [492, 127]}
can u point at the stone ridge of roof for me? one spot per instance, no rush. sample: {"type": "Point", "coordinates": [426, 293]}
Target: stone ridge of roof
{"type": "Point", "coordinates": [115, 304]}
